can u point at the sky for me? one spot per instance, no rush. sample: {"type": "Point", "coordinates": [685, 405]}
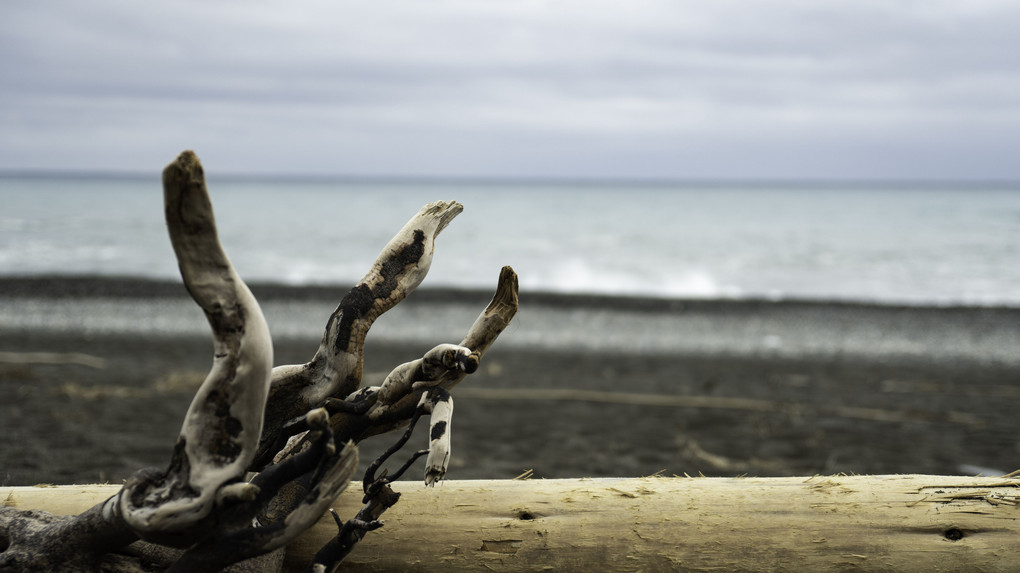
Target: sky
{"type": "Point", "coordinates": [642, 89]}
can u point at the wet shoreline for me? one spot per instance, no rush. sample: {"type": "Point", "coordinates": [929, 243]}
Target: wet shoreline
{"type": "Point", "coordinates": [575, 387]}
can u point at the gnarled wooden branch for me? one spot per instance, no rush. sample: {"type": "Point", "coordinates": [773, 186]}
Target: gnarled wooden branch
{"type": "Point", "coordinates": [222, 427]}
{"type": "Point", "coordinates": [245, 411]}
{"type": "Point", "coordinates": [220, 433]}
{"type": "Point", "coordinates": [439, 404]}
{"type": "Point", "coordinates": [387, 416]}
{"type": "Point", "coordinates": [336, 369]}
{"type": "Point", "coordinates": [409, 391]}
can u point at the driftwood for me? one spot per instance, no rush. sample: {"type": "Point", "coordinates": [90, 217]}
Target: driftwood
{"type": "Point", "coordinates": [823, 523]}
{"type": "Point", "coordinates": [263, 451]}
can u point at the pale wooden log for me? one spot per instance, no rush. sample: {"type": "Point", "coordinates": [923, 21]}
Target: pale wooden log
{"type": "Point", "coordinates": [821, 523]}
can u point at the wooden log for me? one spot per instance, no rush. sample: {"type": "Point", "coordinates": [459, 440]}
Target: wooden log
{"type": "Point", "coordinates": [821, 523]}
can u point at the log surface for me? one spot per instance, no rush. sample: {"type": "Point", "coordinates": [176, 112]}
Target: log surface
{"type": "Point", "coordinates": [859, 523]}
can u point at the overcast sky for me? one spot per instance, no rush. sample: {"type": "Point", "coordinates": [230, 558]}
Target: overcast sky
{"type": "Point", "coordinates": [639, 88]}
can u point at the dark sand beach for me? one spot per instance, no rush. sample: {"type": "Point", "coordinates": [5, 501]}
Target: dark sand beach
{"type": "Point", "coordinates": [578, 386]}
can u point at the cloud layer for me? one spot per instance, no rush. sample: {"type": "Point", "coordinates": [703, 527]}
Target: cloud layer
{"type": "Point", "coordinates": [791, 89]}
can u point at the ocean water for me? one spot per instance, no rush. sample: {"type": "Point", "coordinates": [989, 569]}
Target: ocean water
{"type": "Point", "coordinates": [914, 244]}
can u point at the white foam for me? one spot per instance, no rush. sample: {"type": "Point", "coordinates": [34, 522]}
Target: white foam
{"type": "Point", "coordinates": [914, 247]}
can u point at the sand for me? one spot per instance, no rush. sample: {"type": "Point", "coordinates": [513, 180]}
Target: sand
{"type": "Point", "coordinates": [115, 400]}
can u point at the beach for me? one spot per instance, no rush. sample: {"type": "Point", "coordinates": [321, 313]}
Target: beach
{"type": "Point", "coordinates": [576, 386]}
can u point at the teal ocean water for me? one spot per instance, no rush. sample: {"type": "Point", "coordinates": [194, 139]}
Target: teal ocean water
{"type": "Point", "coordinates": [935, 245]}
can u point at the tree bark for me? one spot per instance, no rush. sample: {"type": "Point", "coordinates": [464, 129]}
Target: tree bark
{"type": "Point", "coordinates": [821, 523]}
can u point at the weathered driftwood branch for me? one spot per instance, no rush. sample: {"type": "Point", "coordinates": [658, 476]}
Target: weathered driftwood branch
{"type": "Point", "coordinates": [222, 427]}
{"type": "Point", "coordinates": [336, 368]}
{"type": "Point", "coordinates": [412, 389]}
{"type": "Point", "coordinates": [263, 452]}
{"type": "Point", "coordinates": [391, 405]}
{"type": "Point", "coordinates": [908, 523]}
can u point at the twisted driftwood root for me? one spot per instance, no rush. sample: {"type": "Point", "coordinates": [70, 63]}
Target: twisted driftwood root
{"type": "Point", "coordinates": [207, 509]}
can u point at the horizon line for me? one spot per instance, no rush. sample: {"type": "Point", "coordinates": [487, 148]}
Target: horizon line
{"type": "Point", "coordinates": [592, 180]}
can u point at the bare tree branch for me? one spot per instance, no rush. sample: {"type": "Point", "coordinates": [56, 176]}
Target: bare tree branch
{"type": "Point", "coordinates": [206, 510]}
{"type": "Point", "coordinates": [222, 427]}
{"type": "Point", "coordinates": [336, 369]}
{"type": "Point", "coordinates": [479, 338]}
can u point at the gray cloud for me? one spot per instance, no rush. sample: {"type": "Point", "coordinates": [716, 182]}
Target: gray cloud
{"type": "Point", "coordinates": [654, 89]}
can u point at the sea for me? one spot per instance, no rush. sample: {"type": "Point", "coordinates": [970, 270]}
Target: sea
{"type": "Point", "coordinates": [944, 244]}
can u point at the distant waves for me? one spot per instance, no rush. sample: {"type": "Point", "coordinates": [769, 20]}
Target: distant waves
{"type": "Point", "coordinates": [887, 243]}
{"type": "Point", "coordinates": [547, 322]}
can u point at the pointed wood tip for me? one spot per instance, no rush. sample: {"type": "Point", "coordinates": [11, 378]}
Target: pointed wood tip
{"type": "Point", "coordinates": [186, 166]}
{"type": "Point", "coordinates": [505, 300]}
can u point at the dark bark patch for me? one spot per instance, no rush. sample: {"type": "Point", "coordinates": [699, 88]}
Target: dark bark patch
{"type": "Point", "coordinates": [357, 303]}
{"type": "Point", "coordinates": [394, 266]}
{"type": "Point", "coordinates": [228, 428]}
{"type": "Point", "coordinates": [179, 464]}
{"type": "Point", "coordinates": [438, 430]}
{"type": "Point", "coordinates": [178, 473]}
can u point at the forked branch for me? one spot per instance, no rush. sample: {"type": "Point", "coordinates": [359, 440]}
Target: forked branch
{"type": "Point", "coordinates": [294, 426]}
